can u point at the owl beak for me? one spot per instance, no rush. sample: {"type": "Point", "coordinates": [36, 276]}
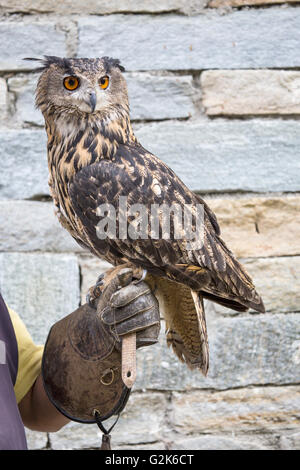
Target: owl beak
{"type": "Point", "coordinates": [93, 100]}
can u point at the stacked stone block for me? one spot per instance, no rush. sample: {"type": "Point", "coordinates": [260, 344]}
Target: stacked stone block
{"type": "Point", "coordinates": [214, 88]}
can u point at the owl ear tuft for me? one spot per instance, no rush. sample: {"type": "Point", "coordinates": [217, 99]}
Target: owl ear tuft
{"type": "Point", "coordinates": [110, 62]}
{"type": "Point", "coordinates": [48, 60]}
{"type": "Point", "coordinates": [42, 61]}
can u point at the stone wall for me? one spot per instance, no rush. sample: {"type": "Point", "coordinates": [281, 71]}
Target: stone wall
{"type": "Point", "coordinates": [215, 92]}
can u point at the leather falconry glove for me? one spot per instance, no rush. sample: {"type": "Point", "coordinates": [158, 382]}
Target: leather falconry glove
{"type": "Point", "coordinates": [81, 364]}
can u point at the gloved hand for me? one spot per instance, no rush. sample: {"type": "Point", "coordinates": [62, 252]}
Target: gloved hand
{"type": "Point", "coordinates": [126, 305]}
{"type": "Point", "coordinates": [82, 361]}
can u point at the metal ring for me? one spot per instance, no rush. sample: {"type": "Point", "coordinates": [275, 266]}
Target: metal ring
{"type": "Point", "coordinates": [96, 411]}
{"type": "Point", "coordinates": [105, 374]}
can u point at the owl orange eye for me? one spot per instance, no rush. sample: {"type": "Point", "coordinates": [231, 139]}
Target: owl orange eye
{"type": "Point", "coordinates": [71, 83]}
{"type": "Point", "coordinates": [103, 82]}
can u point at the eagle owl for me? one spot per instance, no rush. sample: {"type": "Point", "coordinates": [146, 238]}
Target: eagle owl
{"type": "Point", "coordinates": [94, 158]}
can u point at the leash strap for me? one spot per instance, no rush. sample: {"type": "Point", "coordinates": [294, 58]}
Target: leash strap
{"type": "Point", "coordinates": [106, 438]}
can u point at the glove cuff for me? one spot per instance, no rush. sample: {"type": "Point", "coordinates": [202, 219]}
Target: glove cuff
{"type": "Point", "coordinates": [81, 368]}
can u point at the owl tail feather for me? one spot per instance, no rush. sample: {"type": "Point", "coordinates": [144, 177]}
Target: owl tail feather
{"type": "Point", "coordinates": [191, 345]}
{"type": "Point", "coordinates": [184, 314]}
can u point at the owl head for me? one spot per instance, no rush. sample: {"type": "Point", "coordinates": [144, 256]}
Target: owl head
{"type": "Point", "coordinates": [81, 86]}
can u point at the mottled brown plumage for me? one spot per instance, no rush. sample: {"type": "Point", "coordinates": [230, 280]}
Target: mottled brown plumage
{"type": "Point", "coordinates": [94, 158]}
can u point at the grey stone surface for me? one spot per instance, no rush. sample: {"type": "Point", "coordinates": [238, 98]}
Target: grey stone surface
{"type": "Point", "coordinates": [154, 446]}
{"type": "Point", "coordinates": [24, 169]}
{"type": "Point", "coordinates": [238, 39]}
{"type": "Point", "coordinates": [20, 39]}
{"type": "Point", "coordinates": [249, 399]}
{"type": "Point", "coordinates": [259, 226]}
{"type": "Point", "coordinates": [141, 421]}
{"type": "Point", "coordinates": [244, 92]}
{"type": "Point", "coordinates": [103, 7]}
{"type": "Point", "coordinates": [76, 436]}
{"type": "Point", "coordinates": [151, 96]}
{"type": "Point", "coordinates": [90, 268]}
{"type": "Point", "coordinates": [23, 87]}
{"type": "Point", "coordinates": [263, 409]}
{"type": "Point", "coordinates": [290, 441]}
{"type": "Point", "coordinates": [256, 349]}
{"type": "Point", "coordinates": [41, 288]}
{"type": "Point", "coordinates": [242, 3]}
{"type": "Point", "coordinates": [219, 442]}
{"type": "Point", "coordinates": [33, 226]}
{"type": "Point", "coordinates": [276, 280]}
{"type": "Point", "coordinates": [144, 412]}
{"type": "Point", "coordinates": [3, 99]}
{"type": "Point", "coordinates": [36, 440]}
{"type": "Point", "coordinates": [256, 155]}
{"type": "Point", "coordinates": [227, 419]}
{"type": "Point", "coordinates": [160, 97]}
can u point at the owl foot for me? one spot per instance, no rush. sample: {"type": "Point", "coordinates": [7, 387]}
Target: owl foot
{"type": "Point", "coordinates": [95, 292]}
{"type": "Point", "coordinates": [139, 275]}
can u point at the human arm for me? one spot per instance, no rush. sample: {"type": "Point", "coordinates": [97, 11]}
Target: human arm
{"type": "Point", "coordinates": [37, 412]}
{"type": "Point", "coordinates": [123, 310]}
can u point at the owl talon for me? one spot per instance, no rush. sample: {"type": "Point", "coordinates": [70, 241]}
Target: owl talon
{"type": "Point", "coordinates": [90, 300]}
{"type": "Point", "coordinates": [100, 279]}
{"type": "Point", "coordinates": [142, 277]}
{"type": "Point", "coordinates": [95, 292]}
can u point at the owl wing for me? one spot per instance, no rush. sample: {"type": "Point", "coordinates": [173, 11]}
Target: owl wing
{"type": "Point", "coordinates": [143, 179]}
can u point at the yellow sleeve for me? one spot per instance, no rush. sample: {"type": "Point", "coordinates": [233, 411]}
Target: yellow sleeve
{"type": "Point", "coordinates": [30, 357]}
